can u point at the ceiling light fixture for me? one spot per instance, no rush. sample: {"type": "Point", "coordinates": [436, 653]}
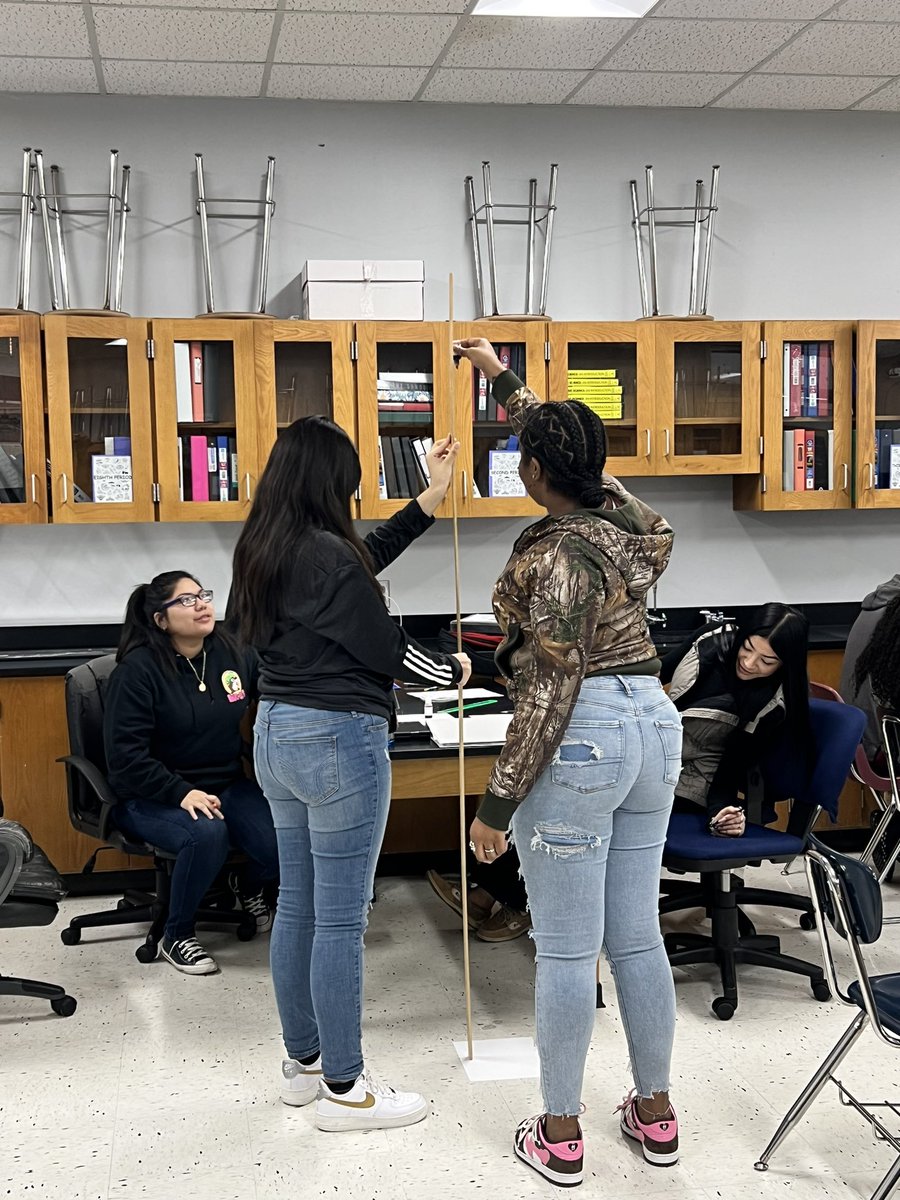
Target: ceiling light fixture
{"type": "Point", "coordinates": [561, 8]}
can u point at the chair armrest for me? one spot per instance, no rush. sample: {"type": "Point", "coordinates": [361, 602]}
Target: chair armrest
{"type": "Point", "coordinates": [16, 848]}
{"type": "Point", "coordinates": [96, 781]}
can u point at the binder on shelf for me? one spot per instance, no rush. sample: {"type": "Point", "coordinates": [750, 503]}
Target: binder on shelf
{"type": "Point", "coordinates": [235, 487]}
{"type": "Point", "coordinates": [505, 356]}
{"type": "Point", "coordinates": [421, 446]}
{"type": "Point", "coordinates": [810, 461]}
{"type": "Point", "coordinates": [117, 445]}
{"type": "Point", "coordinates": [830, 433]}
{"type": "Point", "coordinates": [403, 490]}
{"type": "Point", "coordinates": [786, 381]}
{"type": "Point", "coordinates": [885, 441]}
{"type": "Point", "coordinates": [196, 350]}
{"type": "Point", "coordinates": [796, 384]}
{"type": "Point", "coordinates": [812, 379]}
{"type": "Point", "coordinates": [184, 404]}
{"type": "Point", "coordinates": [826, 380]}
{"type": "Point", "coordinates": [199, 467]}
{"type": "Point", "coordinates": [179, 442]}
{"type": "Point", "coordinates": [382, 479]}
{"type": "Point", "coordinates": [212, 381]}
{"type": "Point", "coordinates": [390, 472]}
{"type": "Point", "coordinates": [410, 467]}
{"type": "Point", "coordinates": [787, 460]}
{"type": "Point", "coordinates": [820, 474]}
{"type": "Point", "coordinates": [799, 460]}
{"type": "Point", "coordinates": [224, 472]}
{"type": "Point", "coordinates": [894, 468]}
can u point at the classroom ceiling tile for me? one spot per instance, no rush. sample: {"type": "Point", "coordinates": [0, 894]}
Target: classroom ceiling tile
{"type": "Point", "coordinates": [798, 91]}
{"type": "Point", "coordinates": [501, 86]}
{"type": "Point", "coordinates": [47, 75]}
{"type": "Point", "coordinates": [651, 88]}
{"type": "Point", "coordinates": [182, 78]}
{"type": "Point", "coordinates": [375, 84]}
{"type": "Point", "coordinates": [184, 36]}
{"type": "Point", "coordinates": [370, 40]}
{"type": "Point", "coordinates": [242, 4]}
{"type": "Point", "coordinates": [700, 45]}
{"type": "Point", "coordinates": [841, 47]}
{"type": "Point", "coordinates": [865, 10]}
{"type": "Point", "coordinates": [887, 100]}
{"type": "Point", "coordinates": [438, 7]}
{"type": "Point", "coordinates": [540, 42]}
{"type": "Point", "coordinates": [44, 30]}
{"type": "Point", "coordinates": [764, 10]}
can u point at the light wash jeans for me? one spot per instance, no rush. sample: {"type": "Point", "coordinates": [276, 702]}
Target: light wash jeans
{"type": "Point", "coordinates": [327, 777]}
{"type": "Point", "coordinates": [590, 836]}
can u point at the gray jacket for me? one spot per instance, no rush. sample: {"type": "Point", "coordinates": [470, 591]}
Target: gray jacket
{"type": "Point", "coordinates": [863, 627]}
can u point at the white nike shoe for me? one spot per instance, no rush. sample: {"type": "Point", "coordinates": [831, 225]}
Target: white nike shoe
{"type": "Point", "coordinates": [300, 1084]}
{"type": "Point", "coordinates": [369, 1104]}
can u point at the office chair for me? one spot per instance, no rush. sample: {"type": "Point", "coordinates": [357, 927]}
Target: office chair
{"type": "Point", "coordinates": [847, 900]}
{"type": "Point", "coordinates": [30, 891]}
{"type": "Point", "coordinates": [883, 848]}
{"type": "Point", "coordinates": [92, 806]}
{"type": "Point", "coordinates": [690, 847]}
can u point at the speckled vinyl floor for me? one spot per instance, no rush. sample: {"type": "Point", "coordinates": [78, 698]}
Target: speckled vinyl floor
{"type": "Point", "coordinates": [165, 1087]}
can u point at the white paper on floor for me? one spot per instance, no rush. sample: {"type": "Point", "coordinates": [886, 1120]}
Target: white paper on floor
{"type": "Point", "coordinates": [500, 1058]}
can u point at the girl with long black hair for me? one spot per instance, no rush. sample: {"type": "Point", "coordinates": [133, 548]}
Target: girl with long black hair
{"type": "Point", "coordinates": [305, 596]}
{"type": "Point", "coordinates": [174, 750]}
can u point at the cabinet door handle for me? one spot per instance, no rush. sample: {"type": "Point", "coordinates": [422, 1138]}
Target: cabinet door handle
{"type": "Point", "coordinates": [870, 468]}
{"type": "Point", "coordinates": [465, 485]}
{"type": "Point", "coordinates": [34, 498]}
{"type": "Point", "coordinates": [247, 485]}
{"type": "Point", "coordinates": [846, 476]}
{"type": "Point", "coordinates": [647, 431]}
{"type": "Point", "coordinates": [65, 488]}
{"type": "Point", "coordinates": [667, 444]}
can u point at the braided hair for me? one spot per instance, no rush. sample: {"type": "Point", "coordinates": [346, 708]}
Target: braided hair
{"type": "Point", "coordinates": [569, 442]}
{"type": "Point", "coordinates": [880, 659]}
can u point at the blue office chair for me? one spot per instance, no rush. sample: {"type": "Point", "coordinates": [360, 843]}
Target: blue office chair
{"type": "Point", "coordinates": [690, 847]}
{"type": "Point", "coordinates": [847, 901]}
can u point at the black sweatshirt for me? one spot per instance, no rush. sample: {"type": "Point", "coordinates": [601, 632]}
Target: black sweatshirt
{"type": "Point", "coordinates": [334, 646]}
{"type": "Point", "coordinates": [163, 736]}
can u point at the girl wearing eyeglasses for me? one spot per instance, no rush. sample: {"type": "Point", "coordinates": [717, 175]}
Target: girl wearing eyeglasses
{"type": "Point", "coordinates": [174, 748]}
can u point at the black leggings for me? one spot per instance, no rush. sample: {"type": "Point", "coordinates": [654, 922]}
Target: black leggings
{"type": "Point", "coordinates": [500, 879]}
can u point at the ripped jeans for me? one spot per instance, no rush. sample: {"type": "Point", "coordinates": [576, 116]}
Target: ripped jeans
{"type": "Point", "coordinates": [590, 836]}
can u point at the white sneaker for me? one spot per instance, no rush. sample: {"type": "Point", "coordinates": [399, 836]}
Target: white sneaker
{"type": "Point", "coordinates": [369, 1104]}
{"type": "Point", "coordinates": [300, 1084]}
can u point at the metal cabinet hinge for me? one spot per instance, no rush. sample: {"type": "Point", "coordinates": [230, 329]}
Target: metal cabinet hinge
{"type": "Point", "coordinates": [354, 350]}
{"type": "Point", "coordinates": [156, 493]}
{"type": "Point", "coordinates": [763, 487]}
{"type": "Point", "coordinates": [151, 348]}
{"type": "Point", "coordinates": [546, 351]}
{"type": "Point", "coordinates": [762, 446]}
{"type": "Point", "coordinates": [763, 349]}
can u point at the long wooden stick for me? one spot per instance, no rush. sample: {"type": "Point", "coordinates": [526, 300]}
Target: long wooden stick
{"type": "Point", "coordinates": [464, 882]}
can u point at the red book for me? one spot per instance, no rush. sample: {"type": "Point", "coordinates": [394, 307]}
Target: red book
{"type": "Point", "coordinates": [799, 460]}
{"type": "Point", "coordinates": [199, 467]}
{"type": "Point", "coordinates": [505, 356]}
{"type": "Point", "coordinates": [796, 393]}
{"type": "Point", "coordinates": [826, 380]}
{"type": "Point", "coordinates": [197, 380]}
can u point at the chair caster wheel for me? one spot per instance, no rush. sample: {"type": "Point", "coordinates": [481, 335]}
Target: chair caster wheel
{"type": "Point", "coordinates": [760, 1166]}
{"type": "Point", "coordinates": [122, 904]}
{"type": "Point", "coordinates": [246, 931]}
{"type": "Point", "coordinates": [64, 1006]}
{"type": "Point", "coordinates": [808, 921]}
{"type": "Point", "coordinates": [146, 952]}
{"type": "Point", "coordinates": [723, 1009]}
{"type": "Point", "coordinates": [70, 936]}
{"type": "Point", "coordinates": [821, 990]}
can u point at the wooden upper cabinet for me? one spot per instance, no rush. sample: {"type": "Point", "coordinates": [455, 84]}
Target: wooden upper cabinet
{"type": "Point", "coordinates": [707, 397]}
{"type": "Point", "coordinates": [877, 466]}
{"type": "Point", "coordinates": [488, 467]}
{"type": "Point", "coordinates": [611, 366]}
{"type": "Point", "coordinates": [404, 400]}
{"type": "Point", "coordinates": [204, 396]}
{"type": "Point", "coordinates": [99, 418]}
{"type": "Point", "coordinates": [807, 415]}
{"type": "Point", "coordinates": [23, 472]}
{"type": "Point", "coordinates": [303, 369]}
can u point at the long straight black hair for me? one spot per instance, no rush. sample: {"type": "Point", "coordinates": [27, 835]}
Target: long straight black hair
{"type": "Point", "coordinates": [787, 631]}
{"type": "Point", "coordinates": [307, 484]}
{"type": "Point", "coordinates": [879, 661]}
{"type": "Point", "coordinates": [139, 628]}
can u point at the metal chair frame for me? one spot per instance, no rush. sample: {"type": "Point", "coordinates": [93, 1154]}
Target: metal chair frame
{"type": "Point", "coordinates": [24, 209]}
{"type": "Point", "coordinates": [267, 206]}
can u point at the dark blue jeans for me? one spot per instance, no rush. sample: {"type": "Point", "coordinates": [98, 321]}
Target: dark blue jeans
{"type": "Point", "coordinates": [203, 845]}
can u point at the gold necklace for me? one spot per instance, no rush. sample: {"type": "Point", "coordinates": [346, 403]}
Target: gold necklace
{"type": "Point", "coordinates": [201, 685]}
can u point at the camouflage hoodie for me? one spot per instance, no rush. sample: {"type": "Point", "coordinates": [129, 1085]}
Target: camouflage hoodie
{"type": "Point", "coordinates": [571, 602]}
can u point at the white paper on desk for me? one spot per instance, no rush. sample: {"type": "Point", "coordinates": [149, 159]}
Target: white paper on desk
{"type": "Point", "coordinates": [477, 731]}
{"type": "Point", "coordinates": [453, 694]}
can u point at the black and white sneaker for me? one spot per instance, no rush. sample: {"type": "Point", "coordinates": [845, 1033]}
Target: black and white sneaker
{"type": "Point", "coordinates": [187, 955]}
{"type": "Point", "coordinates": [255, 905]}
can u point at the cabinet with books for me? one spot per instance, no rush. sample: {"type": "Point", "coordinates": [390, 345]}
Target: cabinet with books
{"type": "Point", "coordinates": [99, 418]}
{"type": "Point", "coordinates": [402, 405]}
{"type": "Point", "coordinates": [610, 367]}
{"type": "Point", "coordinates": [806, 412]}
{"type": "Point", "coordinates": [877, 431]}
{"type": "Point", "coordinates": [23, 471]}
{"type": "Point", "coordinates": [489, 463]}
{"type": "Point", "coordinates": [707, 397]}
{"type": "Point", "coordinates": [206, 422]}
{"type": "Point", "coordinates": [303, 369]}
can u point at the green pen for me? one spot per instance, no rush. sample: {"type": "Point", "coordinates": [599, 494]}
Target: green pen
{"type": "Point", "coordinates": [474, 704]}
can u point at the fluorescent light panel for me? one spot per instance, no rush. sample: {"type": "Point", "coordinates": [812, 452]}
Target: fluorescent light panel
{"type": "Point", "coordinates": [562, 8]}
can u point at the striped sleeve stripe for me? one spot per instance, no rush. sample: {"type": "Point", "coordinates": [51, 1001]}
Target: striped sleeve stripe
{"type": "Point", "coordinates": [414, 660]}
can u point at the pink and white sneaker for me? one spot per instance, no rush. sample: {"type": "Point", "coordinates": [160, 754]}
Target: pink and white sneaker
{"type": "Point", "coordinates": [560, 1162]}
{"type": "Point", "coordinates": [659, 1139]}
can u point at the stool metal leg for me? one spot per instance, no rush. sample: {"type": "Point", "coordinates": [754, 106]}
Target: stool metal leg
{"type": "Point", "coordinates": [639, 247]}
{"type": "Point", "coordinates": [888, 1184]}
{"type": "Point", "coordinates": [476, 244]}
{"type": "Point", "coordinates": [489, 221]}
{"type": "Point", "coordinates": [204, 236]}
{"type": "Point", "coordinates": [651, 242]}
{"type": "Point", "coordinates": [62, 260]}
{"type": "Point", "coordinates": [267, 229]}
{"type": "Point", "coordinates": [695, 247]}
{"type": "Point", "coordinates": [812, 1089]}
{"type": "Point", "coordinates": [45, 221]}
{"type": "Point", "coordinates": [710, 227]}
{"type": "Point", "coordinates": [120, 251]}
{"type": "Point", "coordinates": [548, 237]}
{"type": "Point", "coordinates": [532, 229]}
{"type": "Point", "coordinates": [23, 255]}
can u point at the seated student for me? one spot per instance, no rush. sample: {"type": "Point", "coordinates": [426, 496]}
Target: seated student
{"type": "Point", "coordinates": [174, 751]}
{"type": "Point", "coordinates": [739, 688]}
{"type": "Point", "coordinates": [489, 884]}
{"type": "Point", "coordinates": [872, 654]}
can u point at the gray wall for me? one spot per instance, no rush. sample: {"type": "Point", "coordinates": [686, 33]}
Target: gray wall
{"type": "Point", "coordinates": [807, 229]}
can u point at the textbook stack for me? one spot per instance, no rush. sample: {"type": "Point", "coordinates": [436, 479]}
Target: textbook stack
{"type": "Point", "coordinates": [600, 390]}
{"type": "Point", "coordinates": [405, 397]}
{"type": "Point", "coordinates": [402, 467]}
{"type": "Point", "coordinates": [808, 393]}
{"type": "Point", "coordinates": [887, 457]}
{"type": "Point", "coordinates": [204, 396]}
{"type": "Point", "coordinates": [484, 402]}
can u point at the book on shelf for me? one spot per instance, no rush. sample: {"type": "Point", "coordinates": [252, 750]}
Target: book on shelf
{"type": "Point", "coordinates": [404, 417]}
{"type": "Point", "coordinates": [410, 467]}
{"type": "Point", "coordinates": [883, 468]}
{"type": "Point", "coordinates": [184, 405]}
{"type": "Point", "coordinates": [179, 442]}
{"type": "Point", "coordinates": [196, 349]}
{"type": "Point", "coordinates": [786, 381]}
{"type": "Point", "coordinates": [382, 481]}
{"type": "Point", "coordinates": [830, 479]}
{"type": "Point", "coordinates": [787, 460]}
{"type": "Point", "coordinates": [799, 460]}
{"type": "Point", "coordinates": [820, 466]}
{"type": "Point", "coordinates": [894, 469]}
{"type": "Point", "coordinates": [810, 460]}
{"type": "Point", "coordinates": [111, 478]}
{"type": "Point", "coordinates": [421, 446]}
{"type": "Point", "coordinates": [505, 356]}
{"type": "Point", "coordinates": [390, 472]}
{"type": "Point", "coordinates": [812, 379]}
{"type": "Point", "coordinates": [405, 377]}
{"type": "Point", "coordinates": [406, 405]}
{"type": "Point", "coordinates": [117, 445]}
{"type": "Point", "coordinates": [576, 373]}
{"type": "Point", "coordinates": [826, 379]}
{"type": "Point", "coordinates": [235, 489]}
{"type": "Point", "coordinates": [404, 396]}
{"type": "Point", "coordinates": [796, 384]}
{"type": "Point", "coordinates": [224, 472]}
{"type": "Point", "coordinates": [199, 467]}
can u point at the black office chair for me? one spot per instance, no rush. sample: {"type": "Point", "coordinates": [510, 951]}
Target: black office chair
{"type": "Point", "coordinates": [92, 804]}
{"type": "Point", "coordinates": [847, 900]}
{"type": "Point", "coordinates": [30, 891]}
{"type": "Point", "coordinates": [690, 847]}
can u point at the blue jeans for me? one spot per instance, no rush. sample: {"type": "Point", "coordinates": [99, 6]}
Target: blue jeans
{"type": "Point", "coordinates": [590, 837]}
{"type": "Point", "coordinates": [202, 846]}
{"type": "Point", "coordinates": [327, 777]}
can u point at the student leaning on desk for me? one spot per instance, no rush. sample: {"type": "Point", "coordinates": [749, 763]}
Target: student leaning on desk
{"type": "Point", "coordinates": [586, 777]}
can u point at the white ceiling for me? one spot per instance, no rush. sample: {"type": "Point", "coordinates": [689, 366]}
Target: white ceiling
{"type": "Point", "coordinates": [802, 54]}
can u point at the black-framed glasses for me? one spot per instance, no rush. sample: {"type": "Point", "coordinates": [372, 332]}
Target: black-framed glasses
{"type": "Point", "coordinates": [189, 599]}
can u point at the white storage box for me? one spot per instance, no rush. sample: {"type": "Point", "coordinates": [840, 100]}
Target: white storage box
{"type": "Point", "coordinates": [357, 289]}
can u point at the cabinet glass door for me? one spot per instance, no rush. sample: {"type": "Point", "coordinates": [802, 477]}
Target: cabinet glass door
{"type": "Point", "coordinates": [98, 403]}
{"type": "Point", "coordinates": [23, 476]}
{"type": "Point", "coordinates": [877, 430]}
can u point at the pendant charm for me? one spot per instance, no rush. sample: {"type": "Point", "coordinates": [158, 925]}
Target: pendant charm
{"type": "Point", "coordinates": [202, 687]}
